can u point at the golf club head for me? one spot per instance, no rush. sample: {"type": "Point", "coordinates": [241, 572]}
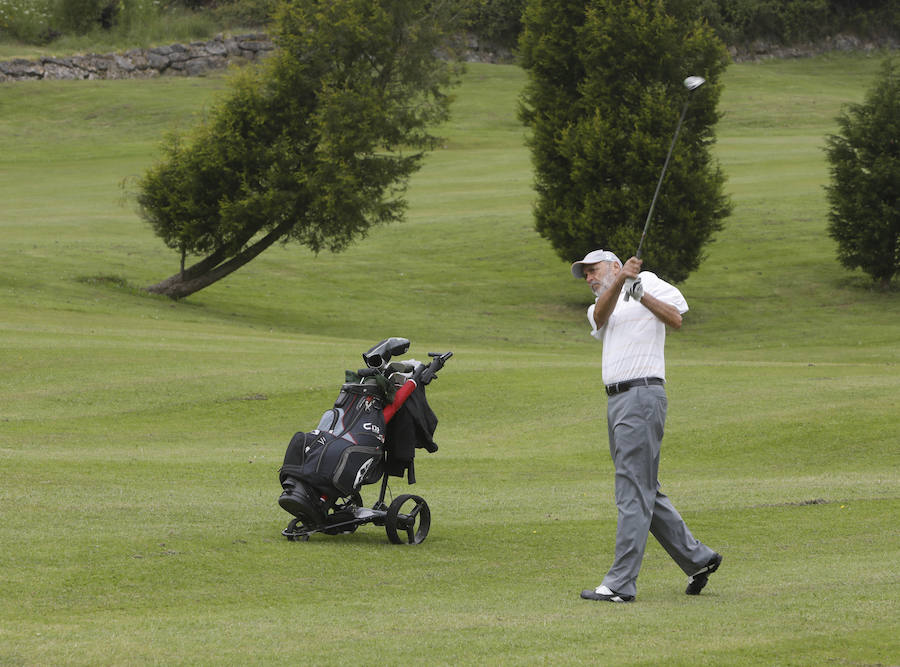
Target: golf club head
{"type": "Point", "coordinates": [694, 82]}
{"type": "Point", "coordinates": [380, 354]}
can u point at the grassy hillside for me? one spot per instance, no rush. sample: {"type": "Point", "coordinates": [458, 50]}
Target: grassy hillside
{"type": "Point", "coordinates": [140, 438]}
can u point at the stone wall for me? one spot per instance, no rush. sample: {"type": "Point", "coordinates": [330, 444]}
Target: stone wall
{"type": "Point", "coordinates": [761, 50]}
{"type": "Point", "coordinates": [193, 59]}
{"type": "Point", "coordinates": [197, 58]}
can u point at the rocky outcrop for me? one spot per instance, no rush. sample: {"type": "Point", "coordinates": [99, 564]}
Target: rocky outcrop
{"type": "Point", "coordinates": [194, 59]}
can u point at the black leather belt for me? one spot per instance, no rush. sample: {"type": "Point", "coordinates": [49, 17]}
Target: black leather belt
{"type": "Point", "coordinates": [619, 387]}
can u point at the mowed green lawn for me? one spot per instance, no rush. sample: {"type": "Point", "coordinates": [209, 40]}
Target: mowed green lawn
{"type": "Point", "coordinates": [140, 438]}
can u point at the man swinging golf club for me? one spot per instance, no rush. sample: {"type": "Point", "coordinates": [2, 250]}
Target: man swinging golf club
{"type": "Point", "coordinates": [634, 335]}
{"type": "Point", "coordinates": [630, 315]}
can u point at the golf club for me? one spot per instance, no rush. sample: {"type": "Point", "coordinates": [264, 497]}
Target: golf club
{"type": "Point", "coordinates": [691, 83]}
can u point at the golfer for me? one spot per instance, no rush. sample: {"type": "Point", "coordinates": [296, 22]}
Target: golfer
{"type": "Point", "coordinates": [630, 315]}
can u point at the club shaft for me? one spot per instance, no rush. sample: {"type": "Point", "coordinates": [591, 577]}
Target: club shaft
{"type": "Point", "coordinates": [662, 175]}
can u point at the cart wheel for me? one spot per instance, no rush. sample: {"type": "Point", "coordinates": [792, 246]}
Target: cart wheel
{"type": "Point", "coordinates": [291, 531]}
{"type": "Point", "coordinates": [413, 524]}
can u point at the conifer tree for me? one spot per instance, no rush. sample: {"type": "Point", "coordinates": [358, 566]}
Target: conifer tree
{"type": "Point", "coordinates": [315, 147]}
{"type": "Point", "coordinates": [864, 193]}
{"type": "Point", "coordinates": [603, 98]}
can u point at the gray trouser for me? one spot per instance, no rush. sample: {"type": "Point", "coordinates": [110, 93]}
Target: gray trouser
{"type": "Point", "coordinates": [636, 421]}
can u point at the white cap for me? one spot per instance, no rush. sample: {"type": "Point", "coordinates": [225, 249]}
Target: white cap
{"type": "Point", "coordinates": [592, 258]}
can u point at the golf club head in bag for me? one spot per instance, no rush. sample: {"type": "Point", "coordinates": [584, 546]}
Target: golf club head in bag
{"type": "Point", "coordinates": [379, 355]}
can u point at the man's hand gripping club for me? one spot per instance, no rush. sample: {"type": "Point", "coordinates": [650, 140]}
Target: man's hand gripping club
{"type": "Point", "coordinates": [606, 301]}
{"type": "Point", "coordinates": [634, 289]}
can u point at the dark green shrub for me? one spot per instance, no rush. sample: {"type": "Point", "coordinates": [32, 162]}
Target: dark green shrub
{"type": "Point", "coordinates": [792, 21]}
{"type": "Point", "coordinates": [315, 147]}
{"type": "Point", "coordinates": [28, 21]}
{"type": "Point", "coordinates": [603, 98]}
{"type": "Point", "coordinates": [864, 193]}
{"type": "Point", "coordinates": [82, 16]}
{"type": "Point", "coordinates": [498, 21]}
{"type": "Point", "coordinates": [246, 13]}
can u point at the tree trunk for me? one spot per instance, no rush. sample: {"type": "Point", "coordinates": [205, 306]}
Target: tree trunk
{"type": "Point", "coordinates": [215, 267]}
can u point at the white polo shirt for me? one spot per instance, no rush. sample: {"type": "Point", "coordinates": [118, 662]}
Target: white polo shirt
{"type": "Point", "coordinates": [634, 339]}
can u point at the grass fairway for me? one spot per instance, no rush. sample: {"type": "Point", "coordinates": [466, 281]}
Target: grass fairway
{"type": "Point", "coordinates": [140, 439]}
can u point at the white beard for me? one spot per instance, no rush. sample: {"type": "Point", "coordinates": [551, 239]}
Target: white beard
{"type": "Point", "coordinates": [604, 284]}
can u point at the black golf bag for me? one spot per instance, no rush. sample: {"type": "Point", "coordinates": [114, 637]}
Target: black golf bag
{"type": "Point", "coordinates": [380, 417]}
{"type": "Point", "coordinates": [346, 449]}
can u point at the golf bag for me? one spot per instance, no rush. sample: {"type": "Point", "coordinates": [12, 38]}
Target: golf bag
{"type": "Point", "coordinates": [346, 449]}
{"type": "Point", "coordinates": [380, 417]}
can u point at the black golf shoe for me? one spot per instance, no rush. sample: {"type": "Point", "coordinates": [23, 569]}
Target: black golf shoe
{"type": "Point", "coordinates": [698, 580]}
{"type": "Point", "coordinates": [603, 594]}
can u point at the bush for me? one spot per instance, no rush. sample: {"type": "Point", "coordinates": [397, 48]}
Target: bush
{"type": "Point", "coordinates": [42, 21]}
{"type": "Point", "coordinates": [498, 21]}
{"type": "Point", "coordinates": [734, 21]}
{"type": "Point", "coordinates": [793, 21]}
{"type": "Point", "coordinates": [81, 16]}
{"type": "Point", "coordinates": [246, 13]}
{"type": "Point", "coordinates": [865, 189]}
{"type": "Point", "coordinates": [26, 20]}
{"type": "Point", "coordinates": [316, 146]}
{"type": "Point", "coordinates": [603, 100]}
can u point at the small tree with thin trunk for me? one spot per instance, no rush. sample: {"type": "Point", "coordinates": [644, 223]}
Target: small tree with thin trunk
{"type": "Point", "coordinates": [865, 181]}
{"type": "Point", "coordinates": [314, 147]}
